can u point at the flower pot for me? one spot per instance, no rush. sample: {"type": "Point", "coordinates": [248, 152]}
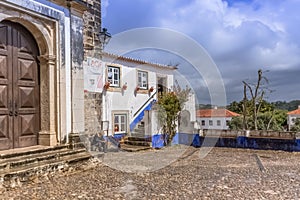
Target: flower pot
{"type": "Point", "coordinates": [151, 89]}
{"type": "Point", "coordinates": [106, 85]}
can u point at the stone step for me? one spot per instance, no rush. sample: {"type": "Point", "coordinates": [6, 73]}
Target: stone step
{"type": "Point", "coordinates": [27, 159]}
{"type": "Point", "coordinates": [11, 177]}
{"type": "Point", "coordinates": [29, 151]}
{"type": "Point", "coordinates": [23, 163]}
{"type": "Point", "coordinates": [133, 148]}
{"type": "Point", "coordinates": [138, 143]}
{"type": "Point", "coordinates": [138, 138]}
{"type": "Point", "coordinates": [138, 132]}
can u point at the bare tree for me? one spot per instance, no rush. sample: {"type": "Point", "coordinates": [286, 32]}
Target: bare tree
{"type": "Point", "coordinates": [257, 92]}
{"type": "Point", "coordinates": [245, 107]}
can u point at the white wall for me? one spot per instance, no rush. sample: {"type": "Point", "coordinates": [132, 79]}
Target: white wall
{"type": "Point", "coordinates": [190, 106]}
{"type": "Point", "coordinates": [223, 120]}
{"type": "Point", "coordinates": [291, 120]}
{"type": "Point", "coordinates": [129, 100]}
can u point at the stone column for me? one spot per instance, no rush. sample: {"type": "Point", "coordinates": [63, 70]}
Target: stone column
{"type": "Point", "coordinates": [77, 79]}
{"type": "Point", "coordinates": [48, 135]}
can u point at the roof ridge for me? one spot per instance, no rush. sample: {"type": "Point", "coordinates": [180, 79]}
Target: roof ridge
{"type": "Point", "coordinates": [125, 58]}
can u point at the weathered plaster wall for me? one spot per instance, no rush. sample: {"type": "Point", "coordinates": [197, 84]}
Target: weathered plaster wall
{"type": "Point", "coordinates": [92, 100]}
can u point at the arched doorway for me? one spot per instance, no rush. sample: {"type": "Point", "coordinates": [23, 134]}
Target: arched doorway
{"type": "Point", "coordinates": [19, 87]}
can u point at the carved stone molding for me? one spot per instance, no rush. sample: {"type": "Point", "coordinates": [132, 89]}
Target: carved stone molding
{"type": "Point", "coordinates": [47, 59]}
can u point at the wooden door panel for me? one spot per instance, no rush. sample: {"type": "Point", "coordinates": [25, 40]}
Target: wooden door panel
{"type": "Point", "coordinates": [4, 37]}
{"type": "Point", "coordinates": [26, 93]}
{"type": "Point", "coordinates": [19, 87]}
{"type": "Point", "coordinates": [3, 66]}
{"type": "Point", "coordinates": [26, 99]}
{"type": "Point", "coordinates": [27, 70]}
{"type": "Point", "coordinates": [27, 124]}
{"type": "Point", "coordinates": [6, 126]}
{"type": "Point", "coordinates": [4, 100]}
{"type": "Point", "coordinates": [4, 133]}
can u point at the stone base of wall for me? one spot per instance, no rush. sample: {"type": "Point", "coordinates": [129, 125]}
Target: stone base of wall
{"type": "Point", "coordinates": [47, 139]}
{"type": "Point", "coordinates": [92, 112]}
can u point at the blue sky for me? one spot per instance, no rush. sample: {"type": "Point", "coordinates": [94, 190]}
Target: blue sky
{"type": "Point", "coordinates": [241, 36]}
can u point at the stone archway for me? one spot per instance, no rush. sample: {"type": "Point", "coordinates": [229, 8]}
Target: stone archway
{"type": "Point", "coordinates": [44, 37]}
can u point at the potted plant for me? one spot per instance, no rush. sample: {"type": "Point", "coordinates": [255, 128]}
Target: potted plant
{"type": "Point", "coordinates": [137, 88]}
{"type": "Point", "coordinates": [124, 86]}
{"type": "Point", "coordinates": [106, 85]}
{"type": "Point", "coordinates": [151, 89]}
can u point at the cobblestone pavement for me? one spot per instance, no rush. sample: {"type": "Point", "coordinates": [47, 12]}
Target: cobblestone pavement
{"type": "Point", "coordinates": [224, 173]}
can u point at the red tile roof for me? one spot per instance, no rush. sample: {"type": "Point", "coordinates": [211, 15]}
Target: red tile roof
{"type": "Point", "coordinates": [294, 112]}
{"type": "Point", "coordinates": [216, 113]}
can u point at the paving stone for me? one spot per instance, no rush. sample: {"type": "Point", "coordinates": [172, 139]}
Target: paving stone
{"type": "Point", "coordinates": [223, 174]}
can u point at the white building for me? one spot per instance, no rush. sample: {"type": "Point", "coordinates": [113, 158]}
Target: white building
{"type": "Point", "coordinates": [292, 116]}
{"type": "Point", "coordinates": [130, 88]}
{"type": "Point", "coordinates": [215, 118]}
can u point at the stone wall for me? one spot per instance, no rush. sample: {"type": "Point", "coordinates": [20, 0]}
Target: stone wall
{"type": "Point", "coordinates": [92, 101]}
{"type": "Point", "coordinates": [254, 134]}
{"type": "Point", "coordinates": [93, 114]}
{"type": "Point", "coordinates": [92, 19]}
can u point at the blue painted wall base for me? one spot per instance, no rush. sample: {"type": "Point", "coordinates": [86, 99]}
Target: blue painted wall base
{"type": "Point", "coordinates": [233, 142]}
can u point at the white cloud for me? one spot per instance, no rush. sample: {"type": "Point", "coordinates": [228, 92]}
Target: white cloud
{"type": "Point", "coordinates": [104, 5]}
{"type": "Point", "coordinates": [240, 38]}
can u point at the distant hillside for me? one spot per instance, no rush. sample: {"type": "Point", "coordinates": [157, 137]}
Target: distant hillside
{"type": "Point", "coordinates": [204, 106]}
{"type": "Point", "coordinates": [283, 105]}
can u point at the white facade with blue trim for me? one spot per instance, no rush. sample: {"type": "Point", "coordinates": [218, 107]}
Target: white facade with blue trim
{"type": "Point", "coordinates": [128, 103]}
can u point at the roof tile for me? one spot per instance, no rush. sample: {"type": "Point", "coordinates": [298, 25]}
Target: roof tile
{"type": "Point", "coordinates": [216, 113]}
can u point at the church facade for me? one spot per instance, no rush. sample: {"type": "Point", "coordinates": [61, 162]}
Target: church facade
{"type": "Point", "coordinates": [42, 48]}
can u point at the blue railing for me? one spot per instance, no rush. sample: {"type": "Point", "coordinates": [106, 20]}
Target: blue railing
{"type": "Point", "coordinates": [140, 116]}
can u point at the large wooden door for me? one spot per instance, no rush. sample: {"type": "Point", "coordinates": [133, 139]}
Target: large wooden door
{"type": "Point", "coordinates": [19, 87]}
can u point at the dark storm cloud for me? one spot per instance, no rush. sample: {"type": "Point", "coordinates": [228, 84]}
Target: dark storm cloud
{"type": "Point", "coordinates": [241, 36]}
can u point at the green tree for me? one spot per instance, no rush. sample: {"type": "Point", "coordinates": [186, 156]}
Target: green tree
{"type": "Point", "coordinates": [170, 105]}
{"type": "Point", "coordinates": [236, 123]}
{"type": "Point", "coordinates": [268, 118]}
{"type": "Point", "coordinates": [236, 107]}
{"type": "Point", "coordinates": [272, 120]}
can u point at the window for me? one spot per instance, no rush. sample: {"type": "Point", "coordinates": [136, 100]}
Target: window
{"type": "Point", "coordinates": [113, 76]}
{"type": "Point", "coordinates": [120, 123]}
{"type": "Point", "coordinates": [210, 122]}
{"type": "Point", "coordinates": [227, 122]}
{"type": "Point", "coordinates": [143, 79]}
{"type": "Point", "coordinates": [218, 122]}
{"type": "Point", "coordinates": [203, 122]}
